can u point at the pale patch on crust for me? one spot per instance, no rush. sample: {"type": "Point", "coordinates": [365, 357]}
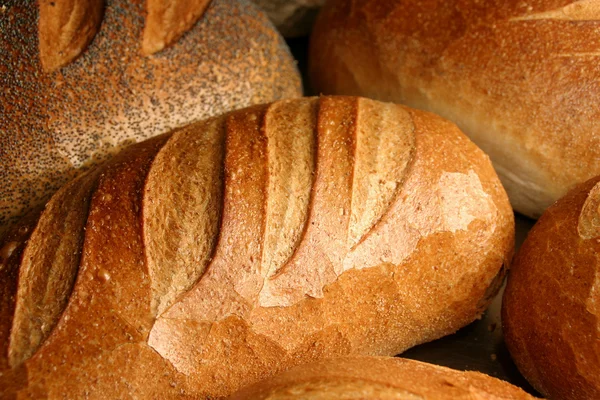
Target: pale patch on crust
{"type": "Point", "coordinates": [450, 205]}
{"type": "Point", "coordinates": [416, 215]}
{"type": "Point", "coordinates": [462, 199]}
{"type": "Point", "coordinates": [582, 10]}
{"type": "Point", "coordinates": [168, 334]}
{"type": "Point", "coordinates": [419, 214]}
{"type": "Point", "coordinates": [589, 219]}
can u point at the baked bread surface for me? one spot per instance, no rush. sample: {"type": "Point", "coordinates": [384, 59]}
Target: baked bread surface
{"type": "Point", "coordinates": [198, 262]}
{"type": "Point", "coordinates": [521, 79]}
{"type": "Point", "coordinates": [379, 378]}
{"type": "Point", "coordinates": [53, 124]}
{"type": "Point", "coordinates": [551, 306]}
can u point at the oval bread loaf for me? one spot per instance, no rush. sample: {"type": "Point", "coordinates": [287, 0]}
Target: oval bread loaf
{"type": "Point", "coordinates": [53, 123]}
{"type": "Point", "coordinates": [551, 306]}
{"type": "Point", "coordinates": [248, 243]}
{"type": "Point", "coordinates": [379, 378]}
{"type": "Point", "coordinates": [521, 79]}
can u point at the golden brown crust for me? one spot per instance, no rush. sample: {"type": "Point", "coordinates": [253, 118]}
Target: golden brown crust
{"type": "Point", "coordinates": [66, 27]}
{"type": "Point", "coordinates": [382, 378]}
{"type": "Point", "coordinates": [49, 267]}
{"type": "Point", "coordinates": [280, 281]}
{"type": "Point", "coordinates": [551, 306]}
{"type": "Point", "coordinates": [109, 307]}
{"type": "Point", "coordinates": [182, 213]}
{"type": "Point", "coordinates": [519, 79]}
{"type": "Point", "coordinates": [11, 254]}
{"type": "Point", "coordinates": [111, 95]}
{"type": "Point", "coordinates": [291, 141]}
{"type": "Point", "coordinates": [167, 20]}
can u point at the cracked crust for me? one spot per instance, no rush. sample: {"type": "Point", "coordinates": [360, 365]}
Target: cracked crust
{"type": "Point", "coordinates": [54, 124]}
{"type": "Point", "coordinates": [519, 78]}
{"type": "Point", "coordinates": [551, 306]}
{"type": "Point", "coordinates": [382, 378]}
{"type": "Point", "coordinates": [194, 256]}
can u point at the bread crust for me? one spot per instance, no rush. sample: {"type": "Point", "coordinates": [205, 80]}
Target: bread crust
{"type": "Point", "coordinates": [550, 309]}
{"type": "Point", "coordinates": [66, 28]}
{"type": "Point", "coordinates": [345, 226]}
{"type": "Point", "coordinates": [383, 378]}
{"type": "Point", "coordinates": [521, 80]}
{"type": "Point", "coordinates": [54, 124]}
{"type": "Point", "coordinates": [166, 21]}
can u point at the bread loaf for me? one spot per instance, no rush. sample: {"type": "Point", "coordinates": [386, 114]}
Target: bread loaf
{"type": "Point", "coordinates": [248, 243]}
{"type": "Point", "coordinates": [521, 79]}
{"type": "Point", "coordinates": [551, 306]}
{"type": "Point", "coordinates": [54, 123]}
{"type": "Point", "coordinates": [380, 378]}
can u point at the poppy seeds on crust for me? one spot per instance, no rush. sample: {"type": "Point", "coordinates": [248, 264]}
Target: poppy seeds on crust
{"type": "Point", "coordinates": [56, 124]}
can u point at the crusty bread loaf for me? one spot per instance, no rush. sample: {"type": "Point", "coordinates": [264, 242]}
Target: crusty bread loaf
{"type": "Point", "coordinates": [248, 243]}
{"type": "Point", "coordinates": [379, 378]}
{"type": "Point", "coordinates": [293, 18]}
{"type": "Point", "coordinates": [521, 79]}
{"type": "Point", "coordinates": [551, 306]}
{"type": "Point", "coordinates": [52, 123]}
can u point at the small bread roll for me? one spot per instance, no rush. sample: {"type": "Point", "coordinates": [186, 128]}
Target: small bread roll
{"type": "Point", "coordinates": [88, 102]}
{"type": "Point", "coordinates": [384, 378]}
{"type": "Point", "coordinates": [521, 79]}
{"type": "Point", "coordinates": [551, 306]}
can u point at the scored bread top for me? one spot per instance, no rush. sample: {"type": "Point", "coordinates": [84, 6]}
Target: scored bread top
{"type": "Point", "coordinates": [66, 28]}
{"type": "Point", "coordinates": [246, 243]}
{"type": "Point", "coordinates": [54, 124]}
{"type": "Point", "coordinates": [166, 21]}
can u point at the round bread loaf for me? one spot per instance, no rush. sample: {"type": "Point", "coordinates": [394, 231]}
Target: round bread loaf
{"type": "Point", "coordinates": [379, 378]}
{"type": "Point", "coordinates": [54, 123]}
{"type": "Point", "coordinates": [293, 18]}
{"type": "Point", "coordinates": [551, 306]}
{"type": "Point", "coordinates": [520, 78]}
{"type": "Point", "coordinates": [245, 244]}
